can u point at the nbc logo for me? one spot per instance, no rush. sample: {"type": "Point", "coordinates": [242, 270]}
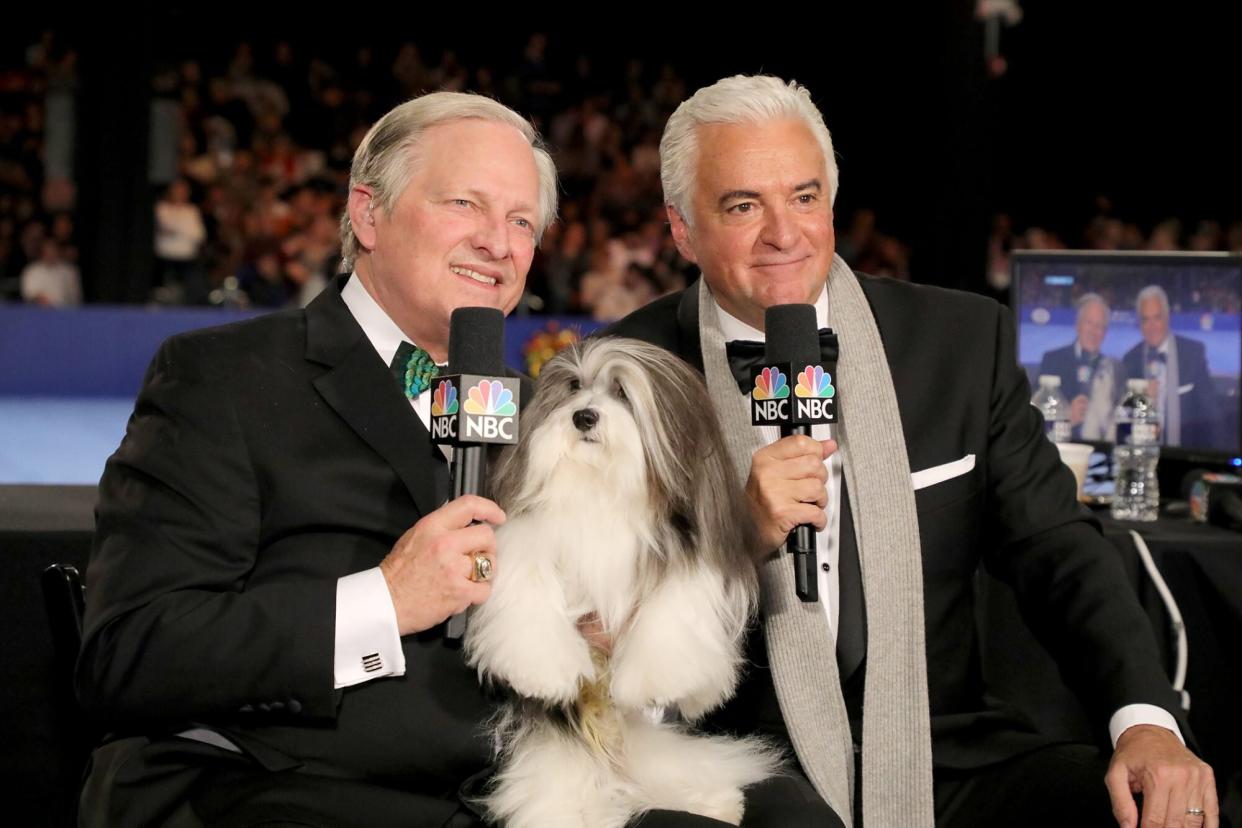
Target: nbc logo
{"type": "Point", "coordinates": [770, 385]}
{"type": "Point", "coordinates": [490, 397]}
{"type": "Point", "coordinates": [813, 382]}
{"type": "Point", "coordinates": [444, 400]}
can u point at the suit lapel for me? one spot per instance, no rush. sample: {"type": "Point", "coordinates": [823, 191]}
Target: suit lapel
{"type": "Point", "coordinates": [359, 388]}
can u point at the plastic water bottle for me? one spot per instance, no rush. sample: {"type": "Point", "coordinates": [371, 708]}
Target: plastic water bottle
{"type": "Point", "coordinates": [1054, 407]}
{"type": "Point", "coordinates": [1136, 453]}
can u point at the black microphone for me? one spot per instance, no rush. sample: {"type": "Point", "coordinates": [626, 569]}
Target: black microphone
{"type": "Point", "coordinates": [474, 405]}
{"type": "Point", "coordinates": [792, 361]}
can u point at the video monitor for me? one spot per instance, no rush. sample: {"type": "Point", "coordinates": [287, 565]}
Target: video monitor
{"type": "Point", "coordinates": [1098, 319]}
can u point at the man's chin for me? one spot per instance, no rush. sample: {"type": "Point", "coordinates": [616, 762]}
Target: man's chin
{"type": "Point", "coordinates": [487, 298]}
{"type": "Point", "coordinates": [804, 293]}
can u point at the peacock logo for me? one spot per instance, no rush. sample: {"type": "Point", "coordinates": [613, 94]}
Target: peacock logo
{"type": "Point", "coordinates": [444, 400]}
{"type": "Point", "coordinates": [770, 384]}
{"type": "Point", "coordinates": [814, 382]}
{"type": "Point", "coordinates": [492, 398]}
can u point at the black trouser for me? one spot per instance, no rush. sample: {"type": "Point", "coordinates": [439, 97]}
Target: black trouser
{"type": "Point", "coordinates": [1055, 785]}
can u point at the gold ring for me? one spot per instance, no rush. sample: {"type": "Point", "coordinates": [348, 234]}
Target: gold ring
{"type": "Point", "coordinates": [482, 568]}
{"type": "Point", "coordinates": [1194, 812]}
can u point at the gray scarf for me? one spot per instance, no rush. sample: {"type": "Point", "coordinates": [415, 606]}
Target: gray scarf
{"type": "Point", "coordinates": [1171, 406]}
{"type": "Point", "coordinates": [896, 765]}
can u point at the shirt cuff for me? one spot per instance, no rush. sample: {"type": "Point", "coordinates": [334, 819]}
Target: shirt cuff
{"type": "Point", "coordinates": [1139, 714]}
{"type": "Point", "coordinates": [368, 643]}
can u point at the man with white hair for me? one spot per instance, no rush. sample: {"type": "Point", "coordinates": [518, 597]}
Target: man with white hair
{"type": "Point", "coordinates": [877, 687]}
{"type": "Point", "coordinates": [274, 557]}
{"type": "Point", "coordinates": [1091, 381]}
{"type": "Point", "coordinates": [1176, 371]}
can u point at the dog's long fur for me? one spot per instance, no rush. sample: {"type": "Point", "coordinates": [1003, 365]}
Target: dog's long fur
{"type": "Point", "coordinates": [637, 520]}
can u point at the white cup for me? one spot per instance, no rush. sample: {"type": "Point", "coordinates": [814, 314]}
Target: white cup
{"type": "Point", "coordinates": [1076, 455]}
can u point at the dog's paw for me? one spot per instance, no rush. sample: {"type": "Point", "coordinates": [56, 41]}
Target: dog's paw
{"type": "Point", "coordinates": [554, 676]}
{"type": "Point", "coordinates": [645, 682]}
{"type": "Point", "coordinates": [653, 679]}
{"type": "Point", "coordinates": [695, 706]}
{"type": "Point", "coordinates": [630, 687]}
{"type": "Point", "coordinates": [726, 805]}
{"type": "Point", "coordinates": [674, 769]}
{"type": "Point", "coordinates": [531, 647]}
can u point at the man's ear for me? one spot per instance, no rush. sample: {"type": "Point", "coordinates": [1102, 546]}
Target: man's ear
{"type": "Point", "coordinates": [362, 215]}
{"type": "Point", "coordinates": [681, 234]}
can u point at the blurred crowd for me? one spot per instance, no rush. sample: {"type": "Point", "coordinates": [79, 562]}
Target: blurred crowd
{"type": "Point", "coordinates": [254, 172]}
{"type": "Point", "coordinates": [250, 153]}
{"type": "Point", "coordinates": [1195, 290]}
{"type": "Point", "coordinates": [38, 238]}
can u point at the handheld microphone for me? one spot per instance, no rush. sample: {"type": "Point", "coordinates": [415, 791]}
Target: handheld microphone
{"type": "Point", "coordinates": [792, 355]}
{"type": "Point", "coordinates": [473, 405]}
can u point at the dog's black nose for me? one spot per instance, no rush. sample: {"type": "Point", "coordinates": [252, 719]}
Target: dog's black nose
{"type": "Point", "coordinates": [585, 419]}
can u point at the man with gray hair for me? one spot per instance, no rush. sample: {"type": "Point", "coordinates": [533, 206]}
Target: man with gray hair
{"type": "Point", "coordinates": [938, 463]}
{"type": "Point", "coordinates": [274, 558]}
{"type": "Point", "coordinates": [1092, 381]}
{"type": "Point", "coordinates": [1177, 375]}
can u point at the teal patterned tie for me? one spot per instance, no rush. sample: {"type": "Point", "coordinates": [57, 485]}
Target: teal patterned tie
{"type": "Point", "coordinates": [414, 369]}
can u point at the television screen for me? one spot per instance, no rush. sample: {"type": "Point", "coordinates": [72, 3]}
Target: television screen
{"type": "Point", "coordinates": [1173, 320]}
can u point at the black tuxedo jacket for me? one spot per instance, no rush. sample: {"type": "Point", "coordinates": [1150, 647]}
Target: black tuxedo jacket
{"type": "Point", "coordinates": [961, 392]}
{"type": "Point", "coordinates": [1202, 424]}
{"type": "Point", "coordinates": [263, 461]}
{"type": "Point", "coordinates": [1064, 363]}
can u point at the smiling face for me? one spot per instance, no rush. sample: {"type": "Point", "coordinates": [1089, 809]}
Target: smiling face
{"type": "Point", "coordinates": [1092, 327]}
{"type": "Point", "coordinates": [762, 217]}
{"type": "Point", "coordinates": [461, 234]}
{"type": "Point", "coordinates": [1153, 321]}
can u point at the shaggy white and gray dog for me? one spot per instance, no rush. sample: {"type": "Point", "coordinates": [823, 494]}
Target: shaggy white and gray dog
{"type": "Point", "coordinates": [624, 517]}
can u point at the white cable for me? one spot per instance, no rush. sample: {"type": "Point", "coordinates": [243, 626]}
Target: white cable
{"type": "Point", "coordinates": [1175, 617]}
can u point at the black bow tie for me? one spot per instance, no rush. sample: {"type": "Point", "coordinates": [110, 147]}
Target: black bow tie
{"type": "Point", "coordinates": [745, 356]}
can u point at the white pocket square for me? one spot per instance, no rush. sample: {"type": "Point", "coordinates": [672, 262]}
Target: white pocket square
{"type": "Point", "coordinates": [1186, 389]}
{"type": "Point", "coordinates": [939, 474]}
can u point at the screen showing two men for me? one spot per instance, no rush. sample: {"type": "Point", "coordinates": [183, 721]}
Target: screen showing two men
{"type": "Point", "coordinates": [1096, 320]}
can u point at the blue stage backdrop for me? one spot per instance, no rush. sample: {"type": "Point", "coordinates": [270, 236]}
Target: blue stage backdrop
{"type": "Point", "coordinates": [103, 351]}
